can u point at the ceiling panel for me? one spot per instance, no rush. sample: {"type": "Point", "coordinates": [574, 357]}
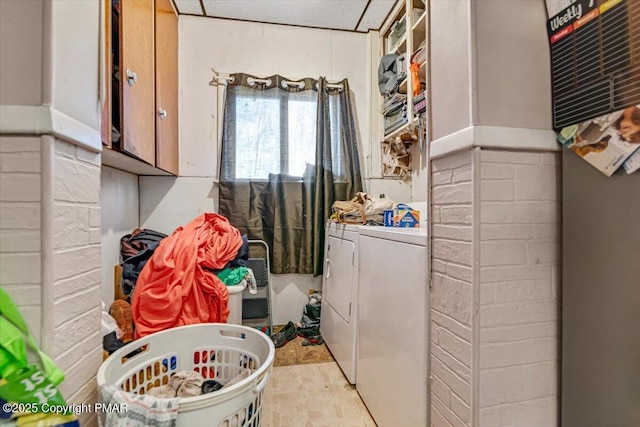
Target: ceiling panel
{"type": "Point", "coordinates": [334, 14]}
{"type": "Point", "coordinates": [189, 6]}
{"type": "Point", "coordinates": [375, 15]}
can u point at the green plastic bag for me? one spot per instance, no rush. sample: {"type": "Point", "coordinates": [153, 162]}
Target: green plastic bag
{"type": "Point", "coordinates": [27, 375]}
{"type": "Point", "coordinates": [13, 351]}
{"type": "Point", "coordinates": [30, 386]}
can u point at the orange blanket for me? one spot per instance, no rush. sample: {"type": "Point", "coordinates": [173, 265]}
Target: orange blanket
{"type": "Point", "coordinates": [174, 289]}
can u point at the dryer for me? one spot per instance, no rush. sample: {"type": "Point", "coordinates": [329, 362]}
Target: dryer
{"type": "Point", "coordinates": [393, 332]}
{"type": "Point", "coordinates": [338, 322]}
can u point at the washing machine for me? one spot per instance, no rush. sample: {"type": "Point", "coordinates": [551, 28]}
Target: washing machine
{"type": "Point", "coordinates": [393, 325]}
{"type": "Point", "coordinates": [338, 322]}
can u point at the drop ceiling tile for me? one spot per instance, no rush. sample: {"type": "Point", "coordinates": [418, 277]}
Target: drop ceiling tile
{"type": "Point", "coordinates": [375, 15]}
{"type": "Point", "coordinates": [189, 6]}
{"type": "Point", "coordinates": [334, 14]}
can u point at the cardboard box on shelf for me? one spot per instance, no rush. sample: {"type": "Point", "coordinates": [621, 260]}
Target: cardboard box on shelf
{"type": "Point", "coordinates": [405, 216]}
{"type": "Point", "coordinates": [388, 217]}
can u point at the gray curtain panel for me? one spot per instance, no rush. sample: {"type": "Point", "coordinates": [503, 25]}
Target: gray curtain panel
{"type": "Point", "coordinates": [288, 152]}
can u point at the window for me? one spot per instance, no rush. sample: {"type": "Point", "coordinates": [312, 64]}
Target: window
{"type": "Point", "coordinates": [288, 152]}
{"type": "Point", "coordinates": [269, 132]}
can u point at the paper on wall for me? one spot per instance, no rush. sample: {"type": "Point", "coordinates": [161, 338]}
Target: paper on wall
{"type": "Point", "coordinates": [633, 163]}
{"type": "Point", "coordinates": [556, 6]}
{"type": "Point", "coordinates": [600, 143]}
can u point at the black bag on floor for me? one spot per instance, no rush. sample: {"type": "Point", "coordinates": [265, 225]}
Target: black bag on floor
{"type": "Point", "coordinates": [136, 249]}
{"type": "Point", "coordinates": [310, 315]}
{"type": "Point", "coordinates": [310, 322]}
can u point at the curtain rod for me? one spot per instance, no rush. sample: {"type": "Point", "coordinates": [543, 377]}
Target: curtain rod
{"type": "Point", "coordinates": [268, 82]}
{"type": "Point", "coordinates": [217, 76]}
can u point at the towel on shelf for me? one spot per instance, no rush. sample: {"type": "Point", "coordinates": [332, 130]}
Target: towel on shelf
{"type": "Point", "coordinates": [141, 410]}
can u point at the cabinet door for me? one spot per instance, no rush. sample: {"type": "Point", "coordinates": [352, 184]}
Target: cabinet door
{"type": "Point", "coordinates": [105, 80]}
{"type": "Point", "coordinates": [166, 87]}
{"type": "Point", "coordinates": [137, 79]}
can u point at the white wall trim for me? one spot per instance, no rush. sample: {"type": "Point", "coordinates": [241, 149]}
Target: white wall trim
{"type": "Point", "coordinates": [47, 242]}
{"type": "Point", "coordinates": [46, 120]}
{"type": "Point", "coordinates": [452, 143]}
{"type": "Point", "coordinates": [495, 137]}
{"type": "Point", "coordinates": [476, 220]}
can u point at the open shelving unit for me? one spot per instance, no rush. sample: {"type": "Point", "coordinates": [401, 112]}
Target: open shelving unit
{"type": "Point", "coordinates": [404, 31]}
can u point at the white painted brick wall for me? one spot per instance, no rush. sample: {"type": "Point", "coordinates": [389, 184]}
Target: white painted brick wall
{"type": "Point", "coordinates": [516, 352]}
{"type": "Point", "coordinates": [520, 254]}
{"type": "Point", "coordinates": [20, 240]}
{"type": "Point", "coordinates": [77, 287]}
{"type": "Point", "coordinates": [76, 291]}
{"type": "Point", "coordinates": [451, 294]}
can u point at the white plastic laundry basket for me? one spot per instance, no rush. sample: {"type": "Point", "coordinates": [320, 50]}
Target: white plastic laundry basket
{"type": "Point", "coordinates": [218, 351]}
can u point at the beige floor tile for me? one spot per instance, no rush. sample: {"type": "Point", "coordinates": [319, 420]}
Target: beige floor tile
{"type": "Point", "coordinates": [267, 407]}
{"type": "Point", "coordinates": [332, 374]}
{"type": "Point", "coordinates": [300, 408]}
{"type": "Point", "coordinates": [348, 405]}
{"type": "Point", "coordinates": [313, 395]}
{"type": "Point", "coordinates": [358, 423]}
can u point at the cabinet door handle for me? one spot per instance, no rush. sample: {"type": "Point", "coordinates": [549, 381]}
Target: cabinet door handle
{"type": "Point", "coordinates": [328, 272]}
{"type": "Point", "coordinates": [162, 113]}
{"type": "Point", "coordinates": [132, 77]}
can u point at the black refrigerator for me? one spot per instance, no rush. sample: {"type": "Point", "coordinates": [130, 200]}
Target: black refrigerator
{"type": "Point", "coordinates": [600, 378]}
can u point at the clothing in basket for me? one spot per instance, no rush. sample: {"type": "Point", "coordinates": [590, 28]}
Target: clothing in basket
{"type": "Point", "coordinates": [138, 410]}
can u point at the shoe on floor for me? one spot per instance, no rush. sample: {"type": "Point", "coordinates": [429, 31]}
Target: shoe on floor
{"type": "Point", "coordinates": [313, 340]}
{"type": "Point", "coordinates": [285, 335]}
{"type": "Point", "coordinates": [308, 331]}
{"type": "Point", "coordinates": [120, 310]}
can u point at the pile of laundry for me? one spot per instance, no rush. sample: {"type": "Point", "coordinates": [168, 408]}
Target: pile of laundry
{"type": "Point", "coordinates": [189, 384]}
{"type": "Point", "coordinates": [159, 406]}
{"type": "Point", "coordinates": [177, 280]}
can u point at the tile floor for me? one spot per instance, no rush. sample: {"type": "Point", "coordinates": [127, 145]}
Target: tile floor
{"type": "Point", "coordinates": [312, 395]}
{"type": "Point", "coordinates": [308, 389]}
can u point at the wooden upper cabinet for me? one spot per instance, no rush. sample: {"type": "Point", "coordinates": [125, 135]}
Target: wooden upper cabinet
{"type": "Point", "coordinates": [137, 113]}
{"type": "Point", "coordinates": [166, 43]}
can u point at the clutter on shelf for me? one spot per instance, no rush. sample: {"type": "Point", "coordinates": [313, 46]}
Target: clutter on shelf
{"type": "Point", "coordinates": [402, 81]}
{"type": "Point", "coordinates": [361, 209]}
{"type": "Point", "coordinates": [396, 156]}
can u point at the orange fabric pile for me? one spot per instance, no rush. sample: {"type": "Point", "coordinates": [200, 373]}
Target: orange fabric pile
{"type": "Point", "coordinates": [175, 288]}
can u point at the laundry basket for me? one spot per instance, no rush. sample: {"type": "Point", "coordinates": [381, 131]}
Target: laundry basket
{"type": "Point", "coordinates": [217, 351]}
